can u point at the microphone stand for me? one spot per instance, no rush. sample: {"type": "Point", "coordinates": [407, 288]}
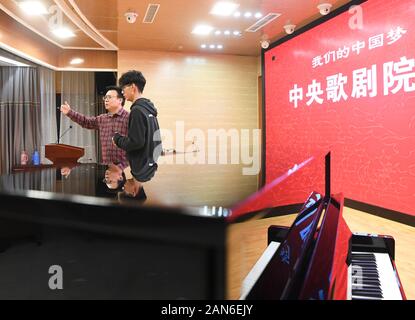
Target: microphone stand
{"type": "Point", "coordinates": [70, 127]}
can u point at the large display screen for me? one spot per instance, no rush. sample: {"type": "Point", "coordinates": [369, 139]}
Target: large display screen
{"type": "Point", "coordinates": [348, 85]}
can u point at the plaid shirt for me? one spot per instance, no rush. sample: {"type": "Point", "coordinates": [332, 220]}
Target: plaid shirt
{"type": "Point", "coordinates": [108, 125]}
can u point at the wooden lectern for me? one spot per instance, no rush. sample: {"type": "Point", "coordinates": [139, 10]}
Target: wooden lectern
{"type": "Point", "coordinates": [63, 154]}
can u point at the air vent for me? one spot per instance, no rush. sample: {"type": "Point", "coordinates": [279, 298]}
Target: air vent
{"type": "Point", "coordinates": [263, 22]}
{"type": "Point", "coordinates": [151, 13]}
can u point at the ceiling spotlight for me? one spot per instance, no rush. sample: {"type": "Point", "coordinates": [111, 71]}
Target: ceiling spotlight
{"type": "Point", "coordinates": [203, 30]}
{"type": "Point", "coordinates": [77, 61]}
{"type": "Point", "coordinates": [212, 46]}
{"type": "Point", "coordinates": [264, 44]}
{"type": "Point", "coordinates": [324, 8]}
{"type": "Point", "coordinates": [219, 46]}
{"type": "Point", "coordinates": [237, 14]}
{"type": "Point", "coordinates": [236, 33]}
{"type": "Point", "coordinates": [289, 28]}
{"type": "Point", "coordinates": [224, 8]}
{"type": "Point", "coordinates": [218, 32]}
{"type": "Point", "coordinates": [258, 15]}
{"type": "Point", "coordinates": [248, 14]}
{"type": "Point", "coordinates": [33, 7]}
{"type": "Point", "coordinates": [227, 33]}
{"type": "Point", "coordinates": [203, 46]}
{"type": "Point", "coordinates": [63, 33]}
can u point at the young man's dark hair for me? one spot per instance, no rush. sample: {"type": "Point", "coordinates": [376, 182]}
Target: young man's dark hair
{"type": "Point", "coordinates": [140, 196]}
{"type": "Point", "coordinates": [131, 77]}
{"type": "Point", "coordinates": [119, 92]}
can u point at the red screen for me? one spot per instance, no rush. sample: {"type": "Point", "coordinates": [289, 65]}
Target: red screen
{"type": "Point", "coordinates": [348, 88]}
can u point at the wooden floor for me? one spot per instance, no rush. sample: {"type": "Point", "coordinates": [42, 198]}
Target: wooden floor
{"type": "Point", "coordinates": [246, 242]}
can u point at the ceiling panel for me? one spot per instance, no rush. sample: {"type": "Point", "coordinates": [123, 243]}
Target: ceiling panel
{"type": "Point", "coordinates": [171, 30]}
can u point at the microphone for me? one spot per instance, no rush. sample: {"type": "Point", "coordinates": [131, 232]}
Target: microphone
{"type": "Point", "coordinates": [65, 132]}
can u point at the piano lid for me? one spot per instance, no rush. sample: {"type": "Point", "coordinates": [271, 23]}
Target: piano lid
{"type": "Point", "coordinates": [284, 274]}
{"type": "Point", "coordinates": [288, 189]}
{"type": "Point", "coordinates": [326, 277]}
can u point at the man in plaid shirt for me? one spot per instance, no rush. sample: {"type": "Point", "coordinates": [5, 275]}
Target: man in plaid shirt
{"type": "Point", "coordinates": [116, 120]}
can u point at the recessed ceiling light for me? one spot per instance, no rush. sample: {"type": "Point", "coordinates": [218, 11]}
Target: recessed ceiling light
{"type": "Point", "coordinates": [258, 15]}
{"type": "Point", "coordinates": [203, 46]}
{"type": "Point", "coordinates": [63, 33]}
{"type": "Point", "coordinates": [218, 32]}
{"type": "Point", "coordinates": [13, 62]}
{"type": "Point", "coordinates": [236, 33]}
{"type": "Point", "coordinates": [77, 61]}
{"type": "Point", "coordinates": [224, 8]}
{"type": "Point", "coordinates": [227, 33]}
{"type": "Point", "coordinates": [212, 46]}
{"type": "Point", "coordinates": [202, 30]}
{"type": "Point", "coordinates": [237, 14]}
{"type": "Point", "coordinates": [33, 7]}
{"type": "Point", "coordinates": [219, 46]}
{"type": "Point", "coordinates": [248, 14]}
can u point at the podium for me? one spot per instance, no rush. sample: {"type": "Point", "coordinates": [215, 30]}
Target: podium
{"type": "Point", "coordinates": [63, 154]}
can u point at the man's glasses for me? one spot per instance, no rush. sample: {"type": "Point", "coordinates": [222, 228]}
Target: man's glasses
{"type": "Point", "coordinates": [107, 98]}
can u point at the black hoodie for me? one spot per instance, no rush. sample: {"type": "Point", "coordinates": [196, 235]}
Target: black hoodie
{"type": "Point", "coordinates": [143, 144]}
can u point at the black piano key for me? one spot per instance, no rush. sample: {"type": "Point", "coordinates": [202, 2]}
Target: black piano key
{"type": "Point", "coordinates": [363, 262]}
{"type": "Point", "coordinates": [367, 288]}
{"type": "Point", "coordinates": [369, 277]}
{"type": "Point", "coordinates": [365, 293]}
{"type": "Point", "coordinates": [357, 269]}
{"type": "Point", "coordinates": [362, 273]}
{"type": "Point", "coordinates": [368, 271]}
{"type": "Point", "coordinates": [364, 256]}
{"type": "Point", "coordinates": [363, 298]}
{"type": "Point", "coordinates": [365, 281]}
{"type": "Point", "coordinates": [374, 282]}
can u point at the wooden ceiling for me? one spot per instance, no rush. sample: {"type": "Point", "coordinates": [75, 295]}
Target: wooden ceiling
{"type": "Point", "coordinates": [101, 24]}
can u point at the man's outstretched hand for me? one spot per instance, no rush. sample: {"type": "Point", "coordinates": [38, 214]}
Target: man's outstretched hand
{"type": "Point", "coordinates": [65, 108]}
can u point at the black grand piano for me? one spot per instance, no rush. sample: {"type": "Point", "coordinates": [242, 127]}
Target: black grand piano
{"type": "Point", "coordinates": [112, 249]}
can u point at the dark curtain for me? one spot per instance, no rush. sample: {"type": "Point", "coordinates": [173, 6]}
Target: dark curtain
{"type": "Point", "coordinates": [19, 114]}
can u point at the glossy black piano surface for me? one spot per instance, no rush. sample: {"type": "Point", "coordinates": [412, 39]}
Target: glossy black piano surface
{"type": "Point", "coordinates": [108, 248]}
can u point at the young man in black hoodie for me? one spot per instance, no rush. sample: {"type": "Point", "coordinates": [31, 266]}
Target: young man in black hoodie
{"type": "Point", "coordinates": [143, 143]}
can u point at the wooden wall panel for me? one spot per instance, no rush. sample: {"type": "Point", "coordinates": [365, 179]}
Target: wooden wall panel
{"type": "Point", "coordinates": [94, 59]}
{"type": "Point", "coordinates": [205, 92]}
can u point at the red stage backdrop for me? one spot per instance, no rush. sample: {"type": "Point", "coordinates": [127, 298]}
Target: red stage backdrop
{"type": "Point", "coordinates": [352, 91]}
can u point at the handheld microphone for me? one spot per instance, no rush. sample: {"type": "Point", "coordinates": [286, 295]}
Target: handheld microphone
{"type": "Point", "coordinates": [65, 132]}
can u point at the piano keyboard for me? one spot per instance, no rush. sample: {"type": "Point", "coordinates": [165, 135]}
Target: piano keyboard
{"type": "Point", "coordinates": [372, 277]}
{"type": "Point", "coordinates": [258, 268]}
